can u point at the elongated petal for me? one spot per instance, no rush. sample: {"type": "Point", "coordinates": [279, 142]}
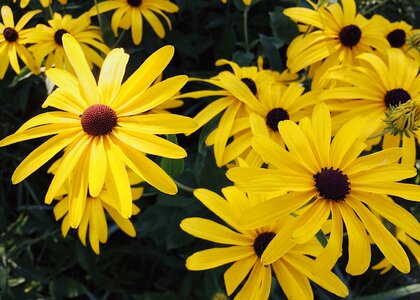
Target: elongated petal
{"type": "Point", "coordinates": [87, 83]}
{"type": "Point", "coordinates": [403, 190]}
{"type": "Point", "coordinates": [158, 123]}
{"type": "Point", "coordinates": [237, 273]}
{"type": "Point", "coordinates": [212, 231]}
{"type": "Point", "coordinates": [367, 162]}
{"type": "Point", "coordinates": [97, 166]}
{"type": "Point", "coordinates": [293, 283]}
{"type": "Point", "coordinates": [211, 258]}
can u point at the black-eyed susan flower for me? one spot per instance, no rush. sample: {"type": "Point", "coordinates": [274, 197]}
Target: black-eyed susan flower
{"type": "Point", "coordinates": [12, 40]}
{"type": "Point", "coordinates": [93, 212]}
{"type": "Point", "coordinates": [329, 178]}
{"type": "Point", "coordinates": [237, 95]}
{"type": "Point", "coordinates": [48, 44]}
{"type": "Point", "coordinates": [398, 35]}
{"type": "Point", "coordinates": [44, 3]}
{"type": "Point", "coordinates": [246, 247]}
{"type": "Point", "coordinates": [104, 126]}
{"type": "Point", "coordinates": [376, 90]}
{"type": "Point", "coordinates": [339, 35]}
{"type": "Point", "coordinates": [130, 14]}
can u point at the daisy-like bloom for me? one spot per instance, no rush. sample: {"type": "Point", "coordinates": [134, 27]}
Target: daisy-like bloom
{"type": "Point", "coordinates": [12, 40]}
{"type": "Point", "coordinates": [378, 87]}
{"type": "Point", "coordinates": [398, 35]}
{"type": "Point", "coordinates": [329, 178]}
{"type": "Point", "coordinates": [104, 127]}
{"type": "Point", "coordinates": [246, 247]}
{"type": "Point", "coordinates": [237, 95]}
{"type": "Point", "coordinates": [44, 3]}
{"type": "Point", "coordinates": [278, 103]}
{"type": "Point", "coordinates": [130, 14]}
{"type": "Point", "coordinates": [384, 265]}
{"type": "Point", "coordinates": [340, 35]}
{"type": "Point", "coordinates": [93, 215]}
{"type": "Point", "coordinates": [48, 44]}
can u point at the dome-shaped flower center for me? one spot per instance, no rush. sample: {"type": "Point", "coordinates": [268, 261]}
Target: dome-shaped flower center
{"type": "Point", "coordinates": [250, 84]}
{"type": "Point", "coordinates": [350, 35]}
{"type": "Point", "coordinates": [10, 34]}
{"type": "Point", "coordinates": [262, 241]}
{"type": "Point", "coordinates": [98, 119]}
{"type": "Point", "coordinates": [275, 116]}
{"type": "Point", "coordinates": [332, 184]}
{"type": "Point", "coordinates": [134, 3]}
{"type": "Point", "coordinates": [58, 36]}
{"type": "Point", "coordinates": [396, 97]}
{"type": "Point", "coordinates": [396, 38]}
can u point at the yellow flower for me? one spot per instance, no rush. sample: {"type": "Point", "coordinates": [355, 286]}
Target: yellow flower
{"type": "Point", "coordinates": [130, 14]}
{"type": "Point", "coordinates": [376, 86]}
{"type": "Point", "coordinates": [237, 95]}
{"type": "Point", "coordinates": [292, 268]}
{"type": "Point", "coordinates": [339, 36]}
{"type": "Point", "coordinates": [246, 2]}
{"type": "Point", "coordinates": [12, 41]}
{"type": "Point", "coordinates": [93, 216]}
{"type": "Point", "coordinates": [44, 3]}
{"type": "Point", "coordinates": [104, 127]}
{"type": "Point", "coordinates": [48, 41]}
{"type": "Point", "coordinates": [328, 178]}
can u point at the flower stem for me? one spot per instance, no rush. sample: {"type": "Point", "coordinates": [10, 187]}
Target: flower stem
{"type": "Point", "coordinates": [99, 16]}
{"type": "Point", "coordinates": [184, 187]}
{"type": "Point", "coordinates": [246, 39]}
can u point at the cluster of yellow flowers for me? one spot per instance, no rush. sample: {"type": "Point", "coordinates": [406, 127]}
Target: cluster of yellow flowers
{"type": "Point", "coordinates": [296, 157]}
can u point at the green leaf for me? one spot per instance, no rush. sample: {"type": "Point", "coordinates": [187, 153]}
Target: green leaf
{"type": "Point", "coordinates": [243, 58]}
{"type": "Point", "coordinates": [283, 27]}
{"type": "Point", "coordinates": [272, 53]}
{"type": "Point", "coordinates": [65, 287]}
{"type": "Point", "coordinates": [393, 294]}
{"type": "Point", "coordinates": [174, 167]}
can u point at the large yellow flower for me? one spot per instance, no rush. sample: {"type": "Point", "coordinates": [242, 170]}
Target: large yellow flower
{"type": "Point", "coordinates": [328, 178]}
{"type": "Point", "coordinates": [12, 40]}
{"type": "Point", "coordinates": [93, 212]}
{"type": "Point", "coordinates": [105, 126]}
{"type": "Point", "coordinates": [48, 41]}
{"type": "Point", "coordinates": [130, 14]}
{"type": "Point", "coordinates": [377, 86]}
{"type": "Point", "coordinates": [339, 36]}
{"type": "Point", "coordinates": [292, 268]}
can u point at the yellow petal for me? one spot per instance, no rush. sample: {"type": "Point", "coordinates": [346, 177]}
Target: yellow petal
{"type": "Point", "coordinates": [97, 166]}
{"type": "Point", "coordinates": [158, 123]}
{"type": "Point", "coordinates": [293, 283]}
{"type": "Point", "coordinates": [237, 273]}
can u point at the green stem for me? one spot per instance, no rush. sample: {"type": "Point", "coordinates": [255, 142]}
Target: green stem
{"type": "Point", "coordinates": [184, 187]}
{"type": "Point", "coordinates": [246, 39]}
{"type": "Point", "coordinates": [118, 40]}
{"type": "Point", "coordinates": [51, 11]}
{"type": "Point", "coordinates": [99, 16]}
{"type": "Point", "coordinates": [373, 8]}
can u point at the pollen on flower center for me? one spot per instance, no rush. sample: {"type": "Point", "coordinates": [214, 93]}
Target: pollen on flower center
{"type": "Point", "coordinates": [10, 34]}
{"type": "Point", "coordinates": [58, 36]}
{"type": "Point", "coordinates": [396, 38]}
{"type": "Point", "coordinates": [262, 241]}
{"type": "Point", "coordinates": [250, 84]}
{"type": "Point", "coordinates": [134, 3]}
{"type": "Point", "coordinates": [98, 119]}
{"type": "Point", "coordinates": [396, 97]}
{"type": "Point", "coordinates": [350, 35]}
{"type": "Point", "coordinates": [275, 116]}
{"type": "Point", "coordinates": [332, 184]}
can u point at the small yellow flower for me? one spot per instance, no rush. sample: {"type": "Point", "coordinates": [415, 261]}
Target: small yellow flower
{"type": "Point", "coordinates": [130, 14]}
{"type": "Point", "coordinates": [44, 3]}
{"type": "Point", "coordinates": [12, 40]}
{"type": "Point", "coordinates": [246, 2]}
{"type": "Point", "coordinates": [48, 44]}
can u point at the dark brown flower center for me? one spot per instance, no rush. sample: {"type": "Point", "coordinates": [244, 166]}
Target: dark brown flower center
{"type": "Point", "coordinates": [350, 35]}
{"type": "Point", "coordinates": [250, 84]}
{"type": "Point", "coordinates": [262, 241]}
{"type": "Point", "coordinates": [58, 36]}
{"type": "Point", "coordinates": [134, 3]}
{"type": "Point", "coordinates": [275, 116]}
{"type": "Point", "coordinates": [98, 119]}
{"type": "Point", "coordinates": [10, 34]}
{"type": "Point", "coordinates": [396, 97]}
{"type": "Point", "coordinates": [332, 184]}
{"type": "Point", "coordinates": [396, 38]}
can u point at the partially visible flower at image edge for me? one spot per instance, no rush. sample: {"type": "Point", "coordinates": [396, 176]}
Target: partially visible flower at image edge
{"type": "Point", "coordinates": [105, 127]}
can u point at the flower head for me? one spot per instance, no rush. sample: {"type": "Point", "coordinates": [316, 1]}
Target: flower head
{"type": "Point", "coordinates": [130, 14]}
{"type": "Point", "coordinates": [105, 127]}
{"type": "Point", "coordinates": [246, 247]}
{"type": "Point", "coordinates": [324, 179]}
{"type": "Point", "coordinates": [48, 44]}
{"type": "Point", "coordinates": [12, 40]}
